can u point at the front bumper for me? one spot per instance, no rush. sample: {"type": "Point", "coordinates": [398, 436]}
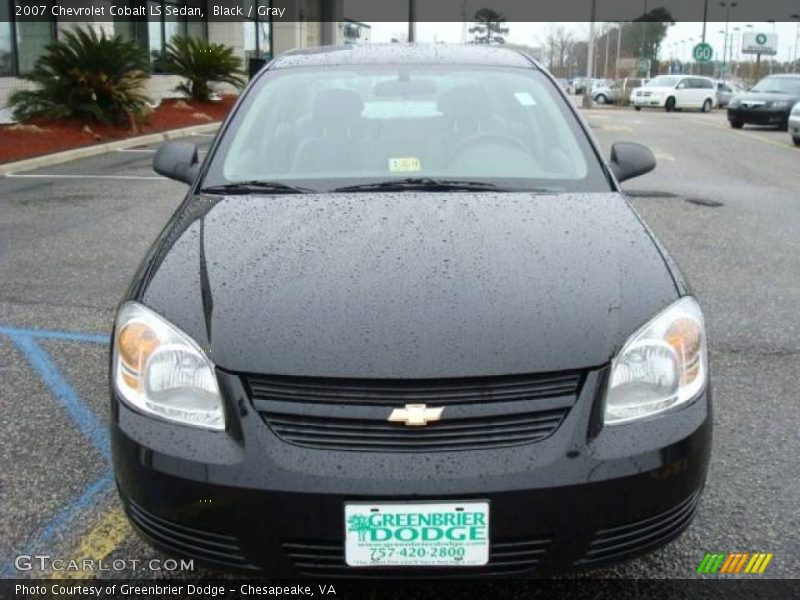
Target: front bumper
{"type": "Point", "coordinates": [648, 101]}
{"type": "Point", "coordinates": [246, 499]}
{"type": "Point", "coordinates": [758, 116]}
{"type": "Point", "coordinates": [794, 126]}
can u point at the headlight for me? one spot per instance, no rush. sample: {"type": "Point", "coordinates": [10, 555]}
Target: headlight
{"type": "Point", "coordinates": [780, 104]}
{"type": "Point", "coordinates": [161, 371]}
{"type": "Point", "coordinates": [796, 109]}
{"type": "Point", "coordinates": [733, 103]}
{"type": "Point", "coordinates": [661, 366]}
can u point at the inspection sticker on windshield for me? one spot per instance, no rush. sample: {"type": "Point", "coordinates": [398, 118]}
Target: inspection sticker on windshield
{"type": "Point", "coordinates": [402, 165]}
{"type": "Point", "coordinates": [417, 534]}
{"type": "Point", "coordinates": [525, 99]}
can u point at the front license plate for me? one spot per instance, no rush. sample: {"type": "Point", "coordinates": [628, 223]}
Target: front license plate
{"type": "Point", "coordinates": [436, 534]}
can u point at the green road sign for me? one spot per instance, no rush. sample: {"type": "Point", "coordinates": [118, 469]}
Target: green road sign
{"type": "Point", "coordinates": [703, 53]}
{"type": "Point", "coordinates": [761, 39]}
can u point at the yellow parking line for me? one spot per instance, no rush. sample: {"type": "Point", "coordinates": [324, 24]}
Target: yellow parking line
{"type": "Point", "coordinates": [106, 536]}
{"type": "Point", "coordinates": [750, 135]}
{"type": "Point", "coordinates": [664, 156]}
{"type": "Point", "coordinates": [615, 128]}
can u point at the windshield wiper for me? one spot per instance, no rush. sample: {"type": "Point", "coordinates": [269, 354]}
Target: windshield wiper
{"type": "Point", "coordinates": [426, 184]}
{"type": "Point", "coordinates": [256, 186]}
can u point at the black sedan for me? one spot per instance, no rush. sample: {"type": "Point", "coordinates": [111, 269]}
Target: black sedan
{"type": "Point", "coordinates": [406, 323]}
{"type": "Point", "coordinates": [769, 102]}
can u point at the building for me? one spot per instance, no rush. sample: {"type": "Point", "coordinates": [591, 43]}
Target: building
{"type": "Point", "coordinates": [304, 23]}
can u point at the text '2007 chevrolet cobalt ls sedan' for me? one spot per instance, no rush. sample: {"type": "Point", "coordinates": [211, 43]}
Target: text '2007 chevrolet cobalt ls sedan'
{"type": "Point", "coordinates": [405, 323]}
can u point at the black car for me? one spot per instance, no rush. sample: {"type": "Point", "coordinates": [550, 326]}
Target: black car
{"type": "Point", "coordinates": [769, 102]}
{"type": "Point", "coordinates": [406, 323]}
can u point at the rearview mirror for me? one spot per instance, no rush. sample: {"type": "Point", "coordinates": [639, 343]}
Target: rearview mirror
{"type": "Point", "coordinates": [629, 160]}
{"type": "Point", "coordinates": [178, 161]}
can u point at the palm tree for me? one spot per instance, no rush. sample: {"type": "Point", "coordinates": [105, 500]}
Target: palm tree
{"type": "Point", "coordinates": [359, 524]}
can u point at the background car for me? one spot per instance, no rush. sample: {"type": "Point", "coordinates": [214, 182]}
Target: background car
{"type": "Point", "coordinates": [726, 90]}
{"type": "Point", "coordinates": [672, 92]}
{"type": "Point", "coordinates": [616, 92]}
{"type": "Point", "coordinates": [766, 103]}
{"type": "Point", "coordinates": [563, 84]}
{"type": "Point", "coordinates": [794, 124]}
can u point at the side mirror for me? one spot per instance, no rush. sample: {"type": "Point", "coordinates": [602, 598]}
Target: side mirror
{"type": "Point", "coordinates": [629, 160]}
{"type": "Point", "coordinates": [178, 161]}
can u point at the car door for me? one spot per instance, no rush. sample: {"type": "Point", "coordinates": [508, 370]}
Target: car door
{"type": "Point", "coordinates": [683, 93]}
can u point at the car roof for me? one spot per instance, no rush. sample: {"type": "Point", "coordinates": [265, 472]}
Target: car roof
{"type": "Point", "coordinates": [400, 54]}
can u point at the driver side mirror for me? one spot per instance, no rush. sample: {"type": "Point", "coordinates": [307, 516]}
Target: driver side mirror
{"type": "Point", "coordinates": [629, 160]}
{"type": "Point", "coordinates": [178, 161]}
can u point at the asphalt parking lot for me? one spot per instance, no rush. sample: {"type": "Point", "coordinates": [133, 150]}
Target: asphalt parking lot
{"type": "Point", "coordinates": [724, 202]}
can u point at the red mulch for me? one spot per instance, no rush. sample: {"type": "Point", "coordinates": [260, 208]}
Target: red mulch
{"type": "Point", "coordinates": [65, 134]}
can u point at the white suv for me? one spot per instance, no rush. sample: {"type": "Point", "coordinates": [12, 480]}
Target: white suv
{"type": "Point", "coordinates": [676, 91]}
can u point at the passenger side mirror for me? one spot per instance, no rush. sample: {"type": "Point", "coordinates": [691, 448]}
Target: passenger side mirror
{"type": "Point", "coordinates": [629, 160]}
{"type": "Point", "coordinates": [178, 161]}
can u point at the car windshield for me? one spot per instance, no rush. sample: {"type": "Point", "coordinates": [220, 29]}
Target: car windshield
{"type": "Point", "coordinates": [663, 81]}
{"type": "Point", "coordinates": [780, 85]}
{"type": "Point", "coordinates": [339, 126]}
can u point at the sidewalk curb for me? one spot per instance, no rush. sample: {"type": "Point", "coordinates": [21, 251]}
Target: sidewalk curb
{"type": "Point", "coordinates": [56, 158]}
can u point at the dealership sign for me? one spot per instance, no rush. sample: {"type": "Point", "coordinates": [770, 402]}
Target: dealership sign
{"type": "Point", "coordinates": [760, 43]}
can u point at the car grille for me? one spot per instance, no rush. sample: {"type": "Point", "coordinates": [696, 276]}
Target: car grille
{"type": "Point", "coordinates": [326, 559]}
{"type": "Point", "coordinates": [351, 414]}
{"type": "Point", "coordinates": [619, 542]}
{"type": "Point", "coordinates": [187, 541]}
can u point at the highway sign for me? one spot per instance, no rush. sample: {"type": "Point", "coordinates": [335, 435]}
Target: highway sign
{"type": "Point", "coordinates": [703, 52]}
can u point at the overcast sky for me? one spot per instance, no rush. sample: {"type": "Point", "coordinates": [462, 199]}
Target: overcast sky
{"type": "Point", "coordinates": [533, 34]}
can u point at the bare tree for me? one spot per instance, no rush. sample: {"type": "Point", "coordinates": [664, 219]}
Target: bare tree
{"type": "Point", "coordinates": [560, 47]}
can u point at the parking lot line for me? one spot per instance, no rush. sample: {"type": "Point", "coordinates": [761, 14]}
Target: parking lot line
{"type": "Point", "coordinates": [87, 422]}
{"type": "Point", "coordinates": [62, 520]}
{"type": "Point", "coordinates": [99, 543]}
{"type": "Point", "coordinates": [72, 336]}
{"type": "Point", "coordinates": [69, 176]}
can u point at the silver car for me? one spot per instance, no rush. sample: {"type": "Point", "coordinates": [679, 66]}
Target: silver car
{"type": "Point", "coordinates": [725, 91]}
{"type": "Point", "coordinates": [794, 124]}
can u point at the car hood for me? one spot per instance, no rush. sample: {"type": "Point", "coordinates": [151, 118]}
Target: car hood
{"type": "Point", "coordinates": [407, 285]}
{"type": "Point", "coordinates": [765, 97]}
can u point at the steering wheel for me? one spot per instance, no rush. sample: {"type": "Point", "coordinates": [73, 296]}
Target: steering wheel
{"type": "Point", "coordinates": [484, 137]}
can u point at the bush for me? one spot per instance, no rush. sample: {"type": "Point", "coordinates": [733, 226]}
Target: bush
{"type": "Point", "coordinates": [88, 77]}
{"type": "Point", "coordinates": [201, 63]}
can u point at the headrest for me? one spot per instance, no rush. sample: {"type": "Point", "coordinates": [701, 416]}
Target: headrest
{"type": "Point", "coordinates": [335, 105]}
{"type": "Point", "coordinates": [466, 102]}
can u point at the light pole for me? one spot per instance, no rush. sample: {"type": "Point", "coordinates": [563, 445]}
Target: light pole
{"type": "Point", "coordinates": [727, 6]}
{"type": "Point", "coordinates": [605, 66]}
{"type": "Point", "coordinates": [619, 47]}
{"type": "Point", "coordinates": [796, 17]}
{"type": "Point", "coordinates": [689, 56]}
{"type": "Point", "coordinates": [724, 51]}
{"type": "Point", "coordinates": [735, 55]}
{"type": "Point", "coordinates": [587, 95]}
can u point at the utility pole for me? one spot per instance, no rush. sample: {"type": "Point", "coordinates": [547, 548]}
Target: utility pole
{"type": "Point", "coordinates": [587, 96]}
{"type": "Point", "coordinates": [619, 47]}
{"type": "Point", "coordinates": [705, 18]}
{"type": "Point", "coordinates": [605, 67]}
{"type": "Point", "coordinates": [727, 6]}
{"type": "Point", "coordinates": [412, 21]}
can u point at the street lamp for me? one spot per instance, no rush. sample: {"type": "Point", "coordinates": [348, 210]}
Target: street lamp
{"type": "Point", "coordinates": [689, 55]}
{"type": "Point", "coordinates": [796, 17]}
{"type": "Point", "coordinates": [727, 6]}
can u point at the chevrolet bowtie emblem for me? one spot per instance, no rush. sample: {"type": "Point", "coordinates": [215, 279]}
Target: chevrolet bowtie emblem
{"type": "Point", "coordinates": [416, 415]}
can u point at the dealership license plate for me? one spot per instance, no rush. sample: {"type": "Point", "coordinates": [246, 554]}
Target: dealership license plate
{"type": "Point", "coordinates": [439, 534]}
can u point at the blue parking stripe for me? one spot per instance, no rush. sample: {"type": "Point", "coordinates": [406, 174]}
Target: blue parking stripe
{"type": "Point", "coordinates": [73, 336]}
{"type": "Point", "coordinates": [41, 541]}
{"type": "Point", "coordinates": [87, 422]}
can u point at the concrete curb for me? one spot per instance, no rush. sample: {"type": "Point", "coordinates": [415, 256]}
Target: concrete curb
{"type": "Point", "coordinates": [67, 155]}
